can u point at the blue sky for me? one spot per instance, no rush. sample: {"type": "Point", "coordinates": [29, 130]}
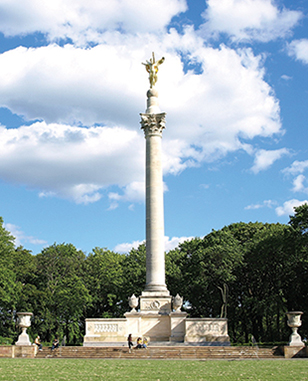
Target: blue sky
{"type": "Point", "coordinates": [233, 85]}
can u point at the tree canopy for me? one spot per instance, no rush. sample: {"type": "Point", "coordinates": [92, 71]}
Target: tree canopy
{"type": "Point", "coordinates": [251, 273]}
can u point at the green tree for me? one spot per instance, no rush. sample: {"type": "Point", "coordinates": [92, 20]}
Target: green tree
{"type": "Point", "coordinates": [8, 285]}
{"type": "Point", "coordinates": [205, 266]}
{"type": "Point", "coordinates": [63, 296]}
{"type": "Point", "coordinates": [297, 280]}
{"type": "Point", "coordinates": [104, 279]}
{"type": "Point", "coordinates": [25, 275]}
{"type": "Point", "coordinates": [300, 219]}
{"type": "Point", "coordinates": [134, 274]}
{"type": "Point", "coordinates": [259, 297]}
{"type": "Point", "coordinates": [175, 269]}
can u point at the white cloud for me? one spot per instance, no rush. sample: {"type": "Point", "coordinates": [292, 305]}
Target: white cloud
{"type": "Point", "coordinates": [71, 162]}
{"type": "Point", "coordinates": [264, 159]}
{"type": "Point", "coordinates": [286, 77]}
{"type": "Point", "coordinates": [170, 244]}
{"type": "Point", "coordinates": [135, 191]}
{"type": "Point", "coordinates": [127, 247]}
{"type": "Point", "coordinates": [299, 50]}
{"type": "Point", "coordinates": [84, 21]}
{"type": "Point", "coordinates": [288, 207]}
{"type": "Point", "coordinates": [298, 184]}
{"type": "Point", "coordinates": [265, 204]}
{"type": "Point", "coordinates": [248, 20]}
{"type": "Point", "coordinates": [296, 167]}
{"type": "Point", "coordinates": [209, 113]}
{"type": "Point", "coordinates": [68, 84]}
{"type": "Point", "coordinates": [20, 237]}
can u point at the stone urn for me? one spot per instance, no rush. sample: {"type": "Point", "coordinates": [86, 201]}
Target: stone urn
{"type": "Point", "coordinates": [177, 302]}
{"type": "Point", "coordinates": [294, 322]}
{"type": "Point", "coordinates": [133, 302]}
{"type": "Point", "coordinates": [24, 322]}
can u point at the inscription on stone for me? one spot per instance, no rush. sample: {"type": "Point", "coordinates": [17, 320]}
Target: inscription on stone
{"type": "Point", "coordinates": [207, 327]}
{"type": "Point", "coordinates": [202, 328]}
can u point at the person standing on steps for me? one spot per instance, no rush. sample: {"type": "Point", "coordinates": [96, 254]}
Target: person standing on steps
{"type": "Point", "coordinates": [130, 342]}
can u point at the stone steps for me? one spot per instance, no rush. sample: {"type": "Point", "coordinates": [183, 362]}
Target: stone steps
{"type": "Point", "coordinates": [163, 352]}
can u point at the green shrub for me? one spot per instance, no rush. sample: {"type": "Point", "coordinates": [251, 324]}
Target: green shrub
{"type": "Point", "coordinates": [6, 341]}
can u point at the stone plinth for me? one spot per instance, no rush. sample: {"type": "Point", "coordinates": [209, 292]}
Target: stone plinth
{"type": "Point", "coordinates": [206, 330]}
{"type": "Point", "coordinates": [296, 351]}
{"type": "Point", "coordinates": [153, 326]}
{"type": "Point", "coordinates": [105, 331]}
{"type": "Point", "coordinates": [27, 351]}
{"type": "Point", "coordinates": [155, 303]}
{"type": "Point", "coordinates": [177, 326]}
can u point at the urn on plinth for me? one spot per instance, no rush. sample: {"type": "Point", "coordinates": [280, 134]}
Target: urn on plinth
{"type": "Point", "coordinates": [24, 322]}
{"type": "Point", "coordinates": [133, 302]}
{"type": "Point", "coordinates": [177, 302]}
{"type": "Point", "coordinates": [294, 322]}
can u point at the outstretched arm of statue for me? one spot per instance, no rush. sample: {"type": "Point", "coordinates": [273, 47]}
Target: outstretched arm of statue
{"type": "Point", "coordinates": [159, 62]}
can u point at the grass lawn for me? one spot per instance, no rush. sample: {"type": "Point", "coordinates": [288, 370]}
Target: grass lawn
{"type": "Point", "coordinates": [151, 370]}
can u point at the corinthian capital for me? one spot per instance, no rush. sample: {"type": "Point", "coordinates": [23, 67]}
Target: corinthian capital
{"type": "Point", "coordinates": [153, 124]}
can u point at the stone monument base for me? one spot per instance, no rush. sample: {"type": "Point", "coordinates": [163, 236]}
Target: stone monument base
{"type": "Point", "coordinates": [159, 323]}
{"type": "Point", "coordinates": [164, 329]}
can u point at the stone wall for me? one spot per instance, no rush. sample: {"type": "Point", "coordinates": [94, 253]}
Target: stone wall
{"type": "Point", "coordinates": [12, 351]}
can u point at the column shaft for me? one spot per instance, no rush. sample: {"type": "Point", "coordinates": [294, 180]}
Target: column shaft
{"type": "Point", "coordinates": [155, 256]}
{"type": "Point", "coordinates": [153, 124]}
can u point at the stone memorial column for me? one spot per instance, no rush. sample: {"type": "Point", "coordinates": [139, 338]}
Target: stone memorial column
{"type": "Point", "coordinates": [153, 123]}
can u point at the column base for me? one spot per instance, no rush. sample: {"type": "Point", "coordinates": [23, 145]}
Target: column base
{"type": "Point", "coordinates": [155, 302]}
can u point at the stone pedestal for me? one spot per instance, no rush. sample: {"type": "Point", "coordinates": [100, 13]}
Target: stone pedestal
{"type": "Point", "coordinates": [153, 326]}
{"type": "Point", "coordinates": [153, 319]}
{"type": "Point", "coordinates": [155, 303]}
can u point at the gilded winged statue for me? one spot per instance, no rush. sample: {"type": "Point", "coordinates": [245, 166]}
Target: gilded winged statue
{"type": "Point", "coordinates": [152, 68]}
